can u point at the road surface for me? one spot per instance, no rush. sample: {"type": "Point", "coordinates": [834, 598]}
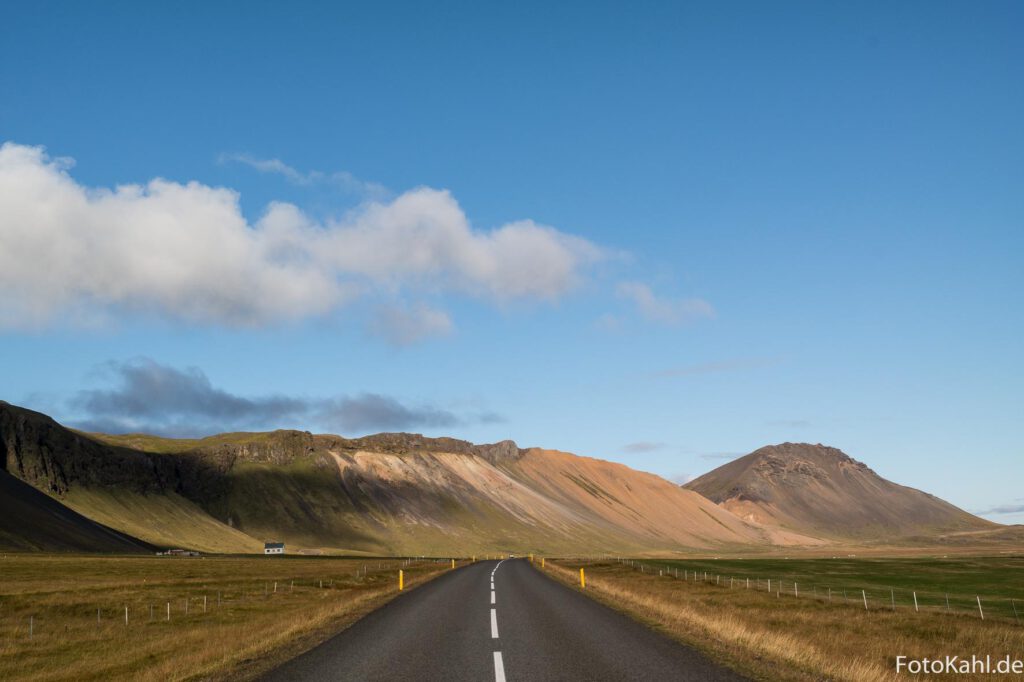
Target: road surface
{"type": "Point", "coordinates": [501, 621]}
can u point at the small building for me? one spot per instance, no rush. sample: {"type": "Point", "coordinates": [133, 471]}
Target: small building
{"type": "Point", "coordinates": [178, 552]}
{"type": "Point", "coordinates": [273, 548]}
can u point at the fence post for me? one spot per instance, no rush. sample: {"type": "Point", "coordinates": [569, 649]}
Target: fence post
{"type": "Point", "coordinates": [168, 612]}
{"type": "Point", "coordinates": [982, 613]}
{"type": "Point", "coordinates": [97, 616]}
{"type": "Point", "coordinates": [1014, 605]}
{"type": "Point", "coordinates": [796, 592]}
{"type": "Point", "coordinates": [892, 596]}
{"type": "Point", "coordinates": [126, 616]}
{"type": "Point", "coordinates": [829, 595]}
{"type": "Point", "coordinates": [31, 626]}
{"type": "Point", "coordinates": [947, 602]}
{"type": "Point", "coordinates": [916, 610]}
{"type": "Point", "coordinates": [865, 595]}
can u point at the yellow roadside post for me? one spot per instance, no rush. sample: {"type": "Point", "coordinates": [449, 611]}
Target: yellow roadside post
{"type": "Point", "coordinates": [542, 562]}
{"type": "Point", "coordinates": [401, 580]}
{"type": "Point", "coordinates": [453, 563]}
{"type": "Point", "coordinates": [583, 580]}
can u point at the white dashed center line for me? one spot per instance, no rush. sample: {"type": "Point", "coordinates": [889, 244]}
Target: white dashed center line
{"type": "Point", "coordinates": [499, 668]}
{"type": "Point", "coordinates": [499, 665]}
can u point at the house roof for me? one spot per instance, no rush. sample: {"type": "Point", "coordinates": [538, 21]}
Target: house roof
{"type": "Point", "coordinates": [273, 545]}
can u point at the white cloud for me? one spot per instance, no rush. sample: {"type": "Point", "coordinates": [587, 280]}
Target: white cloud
{"type": "Point", "coordinates": [184, 251]}
{"type": "Point", "coordinates": [404, 326]}
{"type": "Point", "coordinates": [662, 310]}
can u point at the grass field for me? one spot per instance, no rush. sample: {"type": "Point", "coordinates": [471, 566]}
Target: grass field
{"type": "Point", "coordinates": [63, 617]}
{"type": "Point", "coordinates": [779, 636]}
{"type": "Point", "coordinates": [998, 581]}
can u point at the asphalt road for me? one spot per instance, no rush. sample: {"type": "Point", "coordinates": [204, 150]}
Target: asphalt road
{"type": "Point", "coordinates": [532, 628]}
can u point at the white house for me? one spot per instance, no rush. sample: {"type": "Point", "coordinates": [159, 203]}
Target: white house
{"type": "Point", "coordinates": [273, 548]}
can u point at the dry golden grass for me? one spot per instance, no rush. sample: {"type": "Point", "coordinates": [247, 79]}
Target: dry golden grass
{"type": "Point", "coordinates": [782, 638]}
{"type": "Point", "coordinates": [251, 629]}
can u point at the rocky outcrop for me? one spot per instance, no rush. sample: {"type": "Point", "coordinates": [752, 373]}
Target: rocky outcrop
{"type": "Point", "coordinates": [496, 453]}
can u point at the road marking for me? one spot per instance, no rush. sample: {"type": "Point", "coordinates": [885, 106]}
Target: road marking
{"type": "Point", "coordinates": [494, 624]}
{"type": "Point", "coordinates": [492, 596]}
{"type": "Point", "coordinates": [499, 668]}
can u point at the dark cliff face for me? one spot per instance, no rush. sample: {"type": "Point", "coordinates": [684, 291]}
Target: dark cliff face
{"type": "Point", "coordinates": [53, 459]}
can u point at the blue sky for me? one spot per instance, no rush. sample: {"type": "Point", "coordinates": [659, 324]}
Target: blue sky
{"type": "Point", "coordinates": [656, 233]}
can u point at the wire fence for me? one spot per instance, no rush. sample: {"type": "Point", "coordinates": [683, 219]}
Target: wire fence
{"type": "Point", "coordinates": [93, 613]}
{"type": "Point", "coordinates": [871, 598]}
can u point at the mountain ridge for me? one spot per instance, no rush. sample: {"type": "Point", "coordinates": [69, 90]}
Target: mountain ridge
{"type": "Point", "coordinates": [388, 493]}
{"type": "Point", "coordinates": [820, 490]}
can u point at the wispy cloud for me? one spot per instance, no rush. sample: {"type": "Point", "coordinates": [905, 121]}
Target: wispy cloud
{"type": "Point", "coordinates": [721, 455]}
{"type": "Point", "coordinates": [404, 326]}
{"type": "Point", "coordinates": [681, 479]}
{"type": "Point", "coordinates": [1002, 509]}
{"type": "Point", "coordinates": [149, 397]}
{"type": "Point", "coordinates": [185, 252]}
{"type": "Point", "coordinates": [672, 312]}
{"type": "Point", "coordinates": [342, 180]}
{"type": "Point", "coordinates": [642, 446]}
{"type": "Point", "coordinates": [731, 365]}
{"type": "Point", "coordinates": [790, 423]}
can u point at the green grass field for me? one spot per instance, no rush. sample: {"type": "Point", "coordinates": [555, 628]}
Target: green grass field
{"type": "Point", "coordinates": [998, 580]}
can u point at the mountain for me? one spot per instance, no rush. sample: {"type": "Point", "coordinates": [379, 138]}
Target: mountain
{"type": "Point", "coordinates": [821, 491]}
{"type": "Point", "coordinates": [388, 493]}
{"type": "Point", "coordinates": [31, 520]}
